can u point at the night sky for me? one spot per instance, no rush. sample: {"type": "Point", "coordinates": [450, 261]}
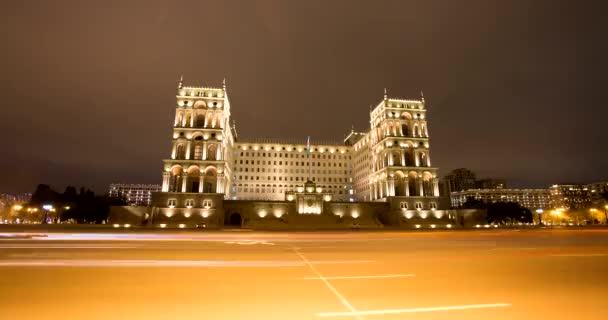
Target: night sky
{"type": "Point", "coordinates": [514, 89]}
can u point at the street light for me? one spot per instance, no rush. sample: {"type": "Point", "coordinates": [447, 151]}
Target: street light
{"type": "Point", "coordinates": [540, 215]}
{"type": "Point", "coordinates": [47, 208]}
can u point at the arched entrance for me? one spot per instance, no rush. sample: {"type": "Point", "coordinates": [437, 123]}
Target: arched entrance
{"type": "Point", "coordinates": [235, 220]}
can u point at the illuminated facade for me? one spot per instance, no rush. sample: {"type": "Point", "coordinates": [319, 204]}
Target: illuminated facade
{"type": "Point", "coordinates": [201, 152]}
{"type": "Point", "coordinates": [134, 194]}
{"type": "Point", "coordinates": [209, 168]}
{"type": "Point", "coordinates": [532, 199]}
{"type": "Point", "coordinates": [393, 159]}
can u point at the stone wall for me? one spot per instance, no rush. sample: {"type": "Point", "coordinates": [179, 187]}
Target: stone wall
{"type": "Point", "coordinates": [279, 215]}
{"type": "Point", "coordinates": [128, 214]}
{"type": "Point", "coordinates": [204, 209]}
{"type": "Point", "coordinates": [189, 210]}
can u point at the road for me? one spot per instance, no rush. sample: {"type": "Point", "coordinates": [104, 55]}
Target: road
{"type": "Point", "coordinates": [485, 274]}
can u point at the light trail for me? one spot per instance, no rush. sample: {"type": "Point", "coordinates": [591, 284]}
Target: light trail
{"type": "Point", "coordinates": [363, 277]}
{"type": "Point", "coordinates": [413, 310]}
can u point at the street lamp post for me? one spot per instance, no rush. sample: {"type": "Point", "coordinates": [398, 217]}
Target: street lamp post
{"type": "Point", "coordinates": [540, 216]}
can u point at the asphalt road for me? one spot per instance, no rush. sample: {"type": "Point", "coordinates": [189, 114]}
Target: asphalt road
{"type": "Point", "coordinates": [485, 274]}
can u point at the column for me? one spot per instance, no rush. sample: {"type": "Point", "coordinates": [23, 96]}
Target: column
{"type": "Point", "coordinates": [184, 182]}
{"type": "Point", "coordinates": [428, 160]}
{"type": "Point", "coordinates": [188, 146]}
{"type": "Point", "coordinates": [218, 153]}
{"type": "Point", "coordinates": [436, 187]}
{"type": "Point", "coordinates": [206, 117]}
{"type": "Point", "coordinates": [391, 186]}
{"type": "Point", "coordinates": [219, 185]}
{"type": "Point", "coordinates": [406, 186]}
{"type": "Point", "coordinates": [421, 187]}
{"type": "Point", "coordinates": [166, 177]}
{"type": "Point", "coordinates": [201, 182]}
{"type": "Point", "coordinates": [416, 158]}
{"type": "Point", "coordinates": [374, 191]}
{"type": "Point", "coordinates": [192, 120]}
{"type": "Point", "coordinates": [205, 148]}
{"type": "Point", "coordinates": [381, 189]}
{"type": "Point", "coordinates": [173, 150]}
{"type": "Point", "coordinates": [402, 158]}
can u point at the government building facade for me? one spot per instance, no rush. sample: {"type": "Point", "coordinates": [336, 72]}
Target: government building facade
{"type": "Point", "coordinates": [377, 177]}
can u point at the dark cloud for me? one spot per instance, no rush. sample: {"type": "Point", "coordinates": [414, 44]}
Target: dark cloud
{"type": "Point", "coordinates": [514, 88]}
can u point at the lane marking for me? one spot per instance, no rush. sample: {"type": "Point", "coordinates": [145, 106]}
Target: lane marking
{"type": "Point", "coordinates": [363, 277]}
{"type": "Point", "coordinates": [513, 248]}
{"type": "Point", "coordinates": [340, 261]}
{"type": "Point", "coordinates": [413, 310]}
{"type": "Point", "coordinates": [250, 242]}
{"type": "Point", "coordinates": [147, 263]}
{"type": "Point", "coordinates": [66, 247]}
{"type": "Point", "coordinates": [329, 285]}
{"type": "Point", "coordinates": [579, 255]}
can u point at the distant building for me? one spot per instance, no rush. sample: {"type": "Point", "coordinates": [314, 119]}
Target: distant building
{"type": "Point", "coordinates": [570, 196]}
{"type": "Point", "coordinates": [20, 198]}
{"type": "Point", "coordinates": [459, 180]}
{"type": "Point", "coordinates": [491, 184]}
{"type": "Point", "coordinates": [597, 189]}
{"type": "Point", "coordinates": [532, 199]}
{"type": "Point", "coordinates": [577, 196]}
{"type": "Point", "coordinates": [134, 194]}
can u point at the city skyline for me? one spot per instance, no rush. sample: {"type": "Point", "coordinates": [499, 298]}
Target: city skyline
{"type": "Point", "coordinates": [83, 123]}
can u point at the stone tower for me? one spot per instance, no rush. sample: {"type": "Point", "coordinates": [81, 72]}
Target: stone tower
{"type": "Point", "coordinates": [201, 147]}
{"type": "Point", "coordinates": [400, 151]}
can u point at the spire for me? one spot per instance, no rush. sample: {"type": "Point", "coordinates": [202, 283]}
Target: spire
{"type": "Point", "coordinates": [236, 136]}
{"type": "Point", "coordinates": [181, 82]}
{"type": "Point", "coordinates": [352, 128]}
{"type": "Point", "coordinates": [421, 96]}
{"type": "Point", "coordinates": [224, 84]}
{"type": "Point", "coordinates": [385, 94]}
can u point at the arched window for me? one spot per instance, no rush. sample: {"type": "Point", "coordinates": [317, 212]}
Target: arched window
{"type": "Point", "coordinates": [181, 152]}
{"type": "Point", "coordinates": [200, 120]}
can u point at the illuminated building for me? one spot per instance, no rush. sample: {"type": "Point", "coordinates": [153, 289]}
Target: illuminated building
{"type": "Point", "coordinates": [210, 169]}
{"type": "Point", "coordinates": [532, 199]}
{"type": "Point", "coordinates": [570, 196]}
{"type": "Point", "coordinates": [459, 180]}
{"type": "Point", "coordinates": [134, 194]}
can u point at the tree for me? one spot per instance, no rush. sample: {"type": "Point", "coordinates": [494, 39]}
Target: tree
{"type": "Point", "coordinates": [473, 203]}
{"type": "Point", "coordinates": [44, 194]}
{"type": "Point", "coordinates": [508, 212]}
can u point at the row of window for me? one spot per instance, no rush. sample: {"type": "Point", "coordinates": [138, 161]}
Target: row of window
{"type": "Point", "coordinates": [418, 205]}
{"type": "Point", "coordinates": [315, 179]}
{"type": "Point", "coordinates": [189, 203]}
{"type": "Point", "coordinates": [293, 163]}
{"type": "Point", "coordinates": [271, 190]}
{"type": "Point", "coordinates": [275, 170]}
{"type": "Point", "coordinates": [291, 155]}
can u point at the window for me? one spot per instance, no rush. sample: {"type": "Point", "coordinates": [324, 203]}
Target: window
{"type": "Point", "coordinates": [206, 204]}
{"type": "Point", "coordinates": [189, 203]}
{"type": "Point", "coordinates": [433, 205]}
{"type": "Point", "coordinates": [171, 203]}
{"type": "Point", "coordinates": [403, 205]}
{"type": "Point", "coordinates": [418, 205]}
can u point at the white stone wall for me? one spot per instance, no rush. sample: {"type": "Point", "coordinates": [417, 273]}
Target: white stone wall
{"type": "Point", "coordinates": [267, 171]}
